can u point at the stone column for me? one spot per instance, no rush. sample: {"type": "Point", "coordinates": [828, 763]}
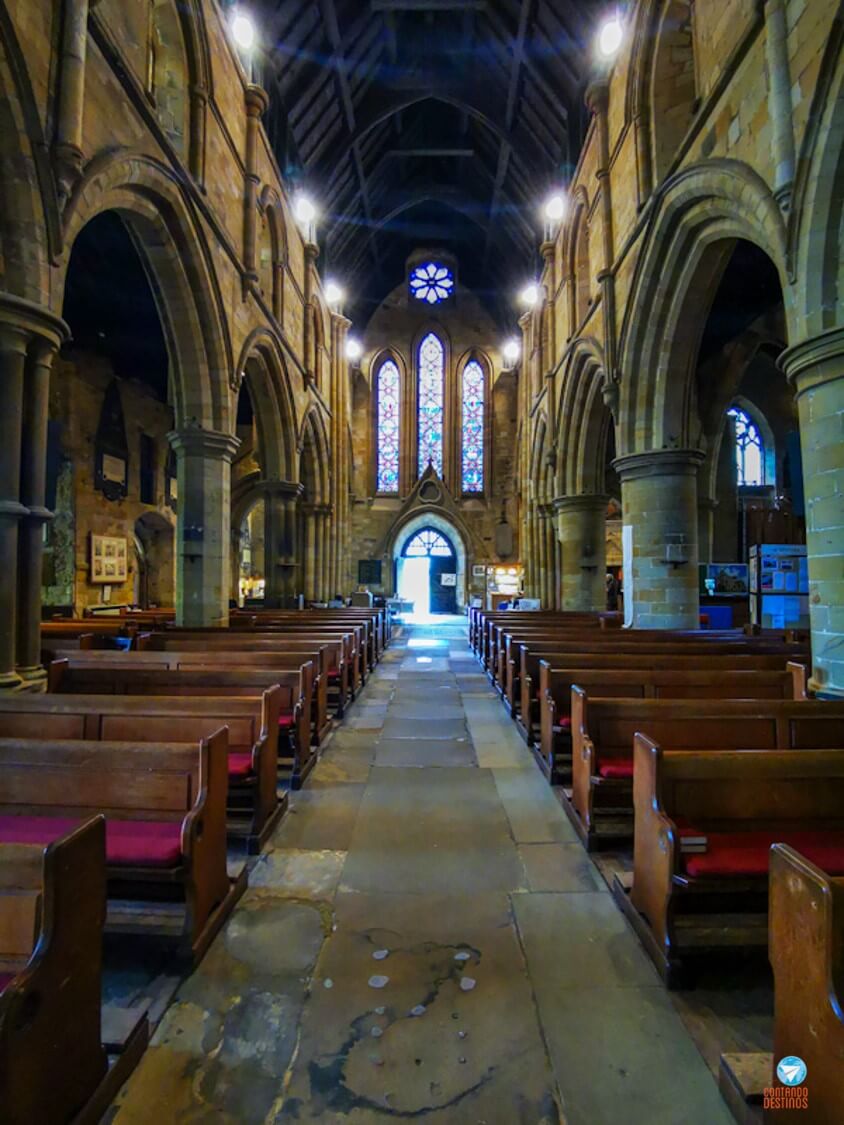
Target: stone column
{"type": "Point", "coordinates": [33, 496]}
{"type": "Point", "coordinates": [203, 533]}
{"type": "Point", "coordinates": [706, 506]}
{"type": "Point", "coordinates": [281, 564]}
{"type": "Point", "coordinates": [816, 370]}
{"type": "Point", "coordinates": [659, 506]}
{"type": "Point", "coordinates": [256, 105]}
{"type": "Point", "coordinates": [29, 338]}
{"type": "Point", "coordinates": [13, 348]}
{"type": "Point", "coordinates": [779, 99]}
{"type": "Point", "coordinates": [309, 553]}
{"type": "Point", "coordinates": [582, 533]}
{"type": "Point", "coordinates": [67, 147]}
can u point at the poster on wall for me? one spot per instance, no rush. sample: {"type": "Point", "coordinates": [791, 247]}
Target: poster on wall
{"type": "Point", "coordinates": [109, 559]}
{"type": "Point", "coordinates": [627, 587]}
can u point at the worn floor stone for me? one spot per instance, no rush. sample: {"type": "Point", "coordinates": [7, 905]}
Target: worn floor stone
{"type": "Point", "coordinates": [507, 987]}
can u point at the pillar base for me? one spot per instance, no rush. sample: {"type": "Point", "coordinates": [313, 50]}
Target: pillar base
{"type": "Point", "coordinates": [10, 681]}
{"type": "Point", "coordinates": [34, 678]}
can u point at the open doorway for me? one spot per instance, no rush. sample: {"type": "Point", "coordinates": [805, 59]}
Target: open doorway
{"type": "Point", "coordinates": [426, 573]}
{"type": "Point", "coordinates": [413, 583]}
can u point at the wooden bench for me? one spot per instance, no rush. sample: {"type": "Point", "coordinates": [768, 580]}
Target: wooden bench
{"type": "Point", "coordinates": [165, 807]}
{"type": "Point", "coordinates": [665, 641]}
{"type": "Point", "coordinates": [569, 653]}
{"type": "Point", "coordinates": [806, 951]}
{"type": "Point", "coordinates": [335, 666]}
{"type": "Point", "coordinates": [740, 802]}
{"type": "Point", "coordinates": [533, 661]}
{"type": "Point", "coordinates": [603, 729]}
{"type": "Point", "coordinates": [251, 722]}
{"type": "Point", "coordinates": [255, 806]}
{"type": "Point", "coordinates": [55, 1039]}
{"type": "Point", "coordinates": [314, 689]}
{"type": "Point", "coordinates": [696, 679]}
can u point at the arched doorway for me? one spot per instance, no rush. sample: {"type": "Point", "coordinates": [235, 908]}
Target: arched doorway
{"type": "Point", "coordinates": [426, 572]}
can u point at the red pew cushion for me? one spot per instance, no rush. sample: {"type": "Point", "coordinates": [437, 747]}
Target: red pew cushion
{"type": "Point", "coordinates": [333, 675]}
{"type": "Point", "coordinates": [286, 720]}
{"type": "Point", "coordinates": [748, 853]}
{"type": "Point", "coordinates": [240, 765]}
{"type": "Point", "coordinates": [616, 767]}
{"type": "Point", "coordinates": [565, 722]}
{"type": "Point", "coordinates": [135, 843]}
{"type": "Point", "coordinates": [5, 978]}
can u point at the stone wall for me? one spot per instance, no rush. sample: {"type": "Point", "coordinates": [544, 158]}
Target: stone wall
{"type": "Point", "coordinates": [79, 386]}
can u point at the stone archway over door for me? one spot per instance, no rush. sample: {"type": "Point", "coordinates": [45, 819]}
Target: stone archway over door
{"type": "Point", "coordinates": [437, 523]}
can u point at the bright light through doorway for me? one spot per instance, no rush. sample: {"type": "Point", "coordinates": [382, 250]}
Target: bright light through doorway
{"type": "Point", "coordinates": [414, 585]}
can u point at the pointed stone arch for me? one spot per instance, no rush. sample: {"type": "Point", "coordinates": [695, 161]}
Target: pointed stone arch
{"type": "Point", "coordinates": [262, 364]}
{"type": "Point", "coordinates": [700, 215]}
{"type": "Point", "coordinates": [169, 239]}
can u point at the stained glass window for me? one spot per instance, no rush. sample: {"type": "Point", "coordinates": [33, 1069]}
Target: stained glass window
{"type": "Point", "coordinates": [430, 405]}
{"type": "Point", "coordinates": [388, 396]}
{"type": "Point", "coordinates": [428, 542]}
{"type": "Point", "coordinates": [749, 450]}
{"type": "Point", "coordinates": [431, 282]}
{"type": "Point", "coordinates": [472, 427]}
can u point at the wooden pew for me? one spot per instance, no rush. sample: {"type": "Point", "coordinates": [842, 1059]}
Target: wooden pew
{"type": "Point", "coordinates": [806, 951]}
{"type": "Point", "coordinates": [54, 1036]}
{"type": "Point", "coordinates": [742, 802]}
{"type": "Point", "coordinates": [602, 742]}
{"type": "Point", "coordinates": [314, 688]}
{"type": "Point", "coordinates": [255, 807]}
{"type": "Point", "coordinates": [655, 678]}
{"type": "Point", "coordinates": [632, 641]}
{"type": "Point", "coordinates": [533, 660]}
{"type": "Point", "coordinates": [337, 665]}
{"type": "Point", "coordinates": [360, 629]}
{"type": "Point", "coordinates": [568, 652]}
{"type": "Point", "coordinates": [374, 619]}
{"type": "Point", "coordinates": [165, 805]}
{"type": "Point", "coordinates": [251, 722]}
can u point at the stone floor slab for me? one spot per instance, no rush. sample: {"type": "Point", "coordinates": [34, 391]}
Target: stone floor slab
{"type": "Point", "coordinates": [424, 753]}
{"type": "Point", "coordinates": [321, 817]}
{"type": "Point", "coordinates": [417, 819]}
{"type": "Point", "coordinates": [465, 1056]}
{"type": "Point", "coordinates": [581, 940]}
{"type": "Point", "coordinates": [622, 1055]}
{"type": "Point", "coordinates": [427, 728]}
{"type": "Point", "coordinates": [560, 867]}
{"type": "Point", "coordinates": [534, 812]}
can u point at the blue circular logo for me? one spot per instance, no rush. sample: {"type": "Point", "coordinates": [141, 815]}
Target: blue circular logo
{"type": "Point", "coordinates": [791, 1071]}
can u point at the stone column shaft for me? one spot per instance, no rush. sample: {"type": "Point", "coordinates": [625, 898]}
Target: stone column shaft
{"type": "Point", "coordinates": [203, 534]}
{"type": "Point", "coordinates": [779, 98]}
{"type": "Point", "coordinates": [281, 573]}
{"type": "Point", "coordinates": [256, 103]}
{"type": "Point", "coordinates": [582, 534]}
{"type": "Point", "coordinates": [659, 503]}
{"type": "Point", "coordinates": [13, 348]}
{"type": "Point", "coordinates": [816, 369]}
{"type": "Point", "coordinates": [33, 496]}
{"type": "Point", "coordinates": [71, 96]}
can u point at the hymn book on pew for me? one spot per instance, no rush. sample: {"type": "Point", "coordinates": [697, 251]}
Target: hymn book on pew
{"type": "Point", "coordinates": [693, 844]}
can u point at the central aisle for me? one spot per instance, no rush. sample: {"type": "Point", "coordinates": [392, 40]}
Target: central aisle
{"type": "Point", "coordinates": [425, 939]}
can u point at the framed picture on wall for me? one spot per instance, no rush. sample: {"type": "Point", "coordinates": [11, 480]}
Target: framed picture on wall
{"type": "Point", "coordinates": [479, 571]}
{"type": "Point", "coordinates": [109, 559]}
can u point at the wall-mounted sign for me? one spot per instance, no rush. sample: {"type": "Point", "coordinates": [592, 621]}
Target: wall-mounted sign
{"type": "Point", "coordinates": [109, 559]}
{"type": "Point", "coordinates": [369, 572]}
{"type": "Point", "coordinates": [448, 579]}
